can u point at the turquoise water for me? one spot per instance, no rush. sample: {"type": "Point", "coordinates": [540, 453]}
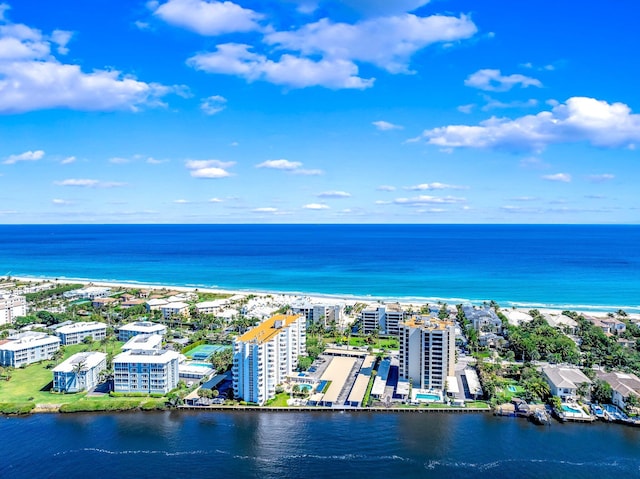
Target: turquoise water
{"type": "Point", "coordinates": [512, 388]}
{"type": "Point", "coordinates": [570, 409]}
{"type": "Point", "coordinates": [306, 387]}
{"type": "Point", "coordinates": [428, 397]}
{"type": "Point", "coordinates": [202, 365]}
{"type": "Point", "coordinates": [572, 267]}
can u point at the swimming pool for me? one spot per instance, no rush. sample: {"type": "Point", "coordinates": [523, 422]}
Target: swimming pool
{"type": "Point", "coordinates": [306, 387]}
{"type": "Point", "coordinates": [571, 409]}
{"type": "Point", "coordinates": [511, 388]}
{"type": "Point", "coordinates": [427, 397]}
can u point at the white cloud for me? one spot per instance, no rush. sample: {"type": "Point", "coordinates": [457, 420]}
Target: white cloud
{"type": "Point", "coordinates": [211, 169]}
{"type": "Point", "coordinates": [33, 79]}
{"type": "Point", "coordinates": [426, 199]}
{"type": "Point", "coordinates": [385, 125]}
{"type": "Point", "coordinates": [211, 173]}
{"type": "Point", "coordinates": [316, 206]}
{"type": "Point", "coordinates": [386, 188]}
{"type": "Point", "coordinates": [493, 80]}
{"type": "Point", "coordinates": [153, 161]}
{"type": "Point", "coordinates": [387, 42]}
{"type": "Point", "coordinates": [561, 177]}
{"type": "Point", "coordinates": [266, 209]}
{"type": "Point", "coordinates": [493, 104]}
{"type": "Point", "coordinates": [26, 156]}
{"type": "Point", "coordinates": [213, 104]}
{"type": "Point", "coordinates": [181, 202]}
{"type": "Point", "coordinates": [434, 186]}
{"type": "Point", "coordinates": [310, 172]}
{"type": "Point", "coordinates": [579, 119]}
{"type": "Point", "coordinates": [334, 194]}
{"type": "Point", "coordinates": [119, 161]}
{"type": "Point", "coordinates": [89, 183]}
{"type": "Point", "coordinates": [140, 25]}
{"type": "Point", "coordinates": [601, 178]}
{"type": "Point", "coordinates": [209, 17]}
{"type": "Point", "coordinates": [280, 165]}
{"type": "Point", "coordinates": [382, 202]}
{"type": "Point", "coordinates": [68, 160]}
{"type": "Point", "coordinates": [288, 70]}
{"type": "Point", "coordinates": [466, 108]}
{"type": "Point", "coordinates": [215, 200]}
{"type": "Point", "coordinates": [58, 201]}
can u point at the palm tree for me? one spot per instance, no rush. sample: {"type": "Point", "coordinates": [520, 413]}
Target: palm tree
{"type": "Point", "coordinates": [77, 369]}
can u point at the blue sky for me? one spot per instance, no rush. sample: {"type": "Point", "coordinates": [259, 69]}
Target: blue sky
{"type": "Point", "coordinates": [319, 111]}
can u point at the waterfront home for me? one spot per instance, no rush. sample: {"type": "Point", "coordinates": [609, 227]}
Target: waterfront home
{"type": "Point", "coordinates": [128, 331]}
{"type": "Point", "coordinates": [75, 333]}
{"type": "Point", "coordinates": [623, 386]}
{"type": "Point", "coordinates": [564, 381]}
{"type": "Point", "coordinates": [25, 348]}
{"type": "Point", "coordinates": [562, 322]}
{"type": "Point", "coordinates": [427, 351]}
{"type": "Point", "coordinates": [609, 326]}
{"type": "Point", "coordinates": [144, 341]}
{"type": "Point", "coordinates": [483, 318]}
{"type": "Point", "coordinates": [265, 355]}
{"type": "Point", "coordinates": [11, 307]}
{"type": "Point", "coordinates": [176, 308]}
{"type": "Point", "coordinates": [146, 371]}
{"type": "Point", "coordinates": [80, 372]}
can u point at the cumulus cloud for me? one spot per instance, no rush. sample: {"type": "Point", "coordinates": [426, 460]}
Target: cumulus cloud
{"type": "Point", "coordinates": [578, 119]}
{"type": "Point", "coordinates": [288, 70]}
{"type": "Point", "coordinates": [426, 200]}
{"type": "Point", "coordinates": [26, 156]}
{"type": "Point", "coordinates": [385, 125]}
{"type": "Point", "coordinates": [294, 167]}
{"type": "Point", "coordinates": [334, 194]}
{"type": "Point", "coordinates": [434, 186]}
{"type": "Point", "coordinates": [213, 104]}
{"type": "Point", "coordinates": [466, 108]}
{"type": "Point", "coordinates": [208, 17]}
{"type": "Point", "coordinates": [211, 169]}
{"type": "Point", "coordinates": [153, 161]}
{"type": "Point", "coordinates": [316, 206]}
{"type": "Point", "coordinates": [601, 178]}
{"type": "Point", "coordinates": [89, 183]}
{"type": "Point", "coordinates": [561, 177]}
{"type": "Point", "coordinates": [493, 80]}
{"type": "Point", "coordinates": [387, 42]}
{"type": "Point", "coordinates": [181, 202]}
{"type": "Point", "coordinates": [33, 79]}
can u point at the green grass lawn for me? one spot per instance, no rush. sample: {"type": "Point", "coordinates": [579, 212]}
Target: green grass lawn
{"type": "Point", "coordinates": [279, 401]}
{"type": "Point", "coordinates": [382, 343]}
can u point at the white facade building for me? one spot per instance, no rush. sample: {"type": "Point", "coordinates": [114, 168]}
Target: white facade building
{"type": "Point", "coordinates": [80, 372]}
{"type": "Point", "coordinates": [11, 307]}
{"type": "Point", "coordinates": [26, 348]}
{"type": "Point", "coordinates": [384, 318]}
{"type": "Point", "coordinates": [146, 371]}
{"type": "Point", "coordinates": [128, 331]}
{"type": "Point", "coordinates": [564, 382]}
{"type": "Point", "coordinates": [174, 309]}
{"type": "Point", "coordinates": [427, 352]}
{"type": "Point", "coordinates": [143, 341]}
{"type": "Point", "coordinates": [76, 332]}
{"type": "Point", "coordinates": [322, 313]}
{"type": "Point", "coordinates": [265, 355]}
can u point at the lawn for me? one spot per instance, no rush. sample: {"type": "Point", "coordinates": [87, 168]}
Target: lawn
{"type": "Point", "coordinates": [279, 401]}
{"type": "Point", "coordinates": [382, 343]}
{"type": "Point", "coordinates": [32, 383]}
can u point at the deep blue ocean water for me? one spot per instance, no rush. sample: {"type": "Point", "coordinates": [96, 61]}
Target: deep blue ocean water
{"type": "Point", "coordinates": [311, 445]}
{"type": "Point", "coordinates": [569, 266]}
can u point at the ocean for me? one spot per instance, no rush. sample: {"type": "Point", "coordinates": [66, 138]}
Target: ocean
{"type": "Point", "coordinates": [575, 267]}
{"type": "Point", "coordinates": [311, 445]}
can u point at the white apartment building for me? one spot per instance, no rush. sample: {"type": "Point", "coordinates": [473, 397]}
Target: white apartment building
{"type": "Point", "coordinates": [75, 333]}
{"type": "Point", "coordinates": [88, 292]}
{"type": "Point", "coordinates": [143, 341]}
{"type": "Point", "coordinates": [146, 371]}
{"type": "Point", "coordinates": [11, 307]}
{"type": "Point", "coordinates": [128, 331]}
{"type": "Point", "coordinates": [80, 372]}
{"type": "Point", "coordinates": [26, 348]}
{"type": "Point", "coordinates": [427, 351]}
{"type": "Point", "coordinates": [176, 308]}
{"type": "Point", "coordinates": [265, 355]}
{"type": "Point", "coordinates": [318, 313]}
{"type": "Point", "coordinates": [385, 318]}
{"type": "Point", "coordinates": [211, 307]}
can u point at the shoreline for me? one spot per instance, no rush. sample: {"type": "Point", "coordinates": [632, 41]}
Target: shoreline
{"type": "Point", "coordinates": [594, 310]}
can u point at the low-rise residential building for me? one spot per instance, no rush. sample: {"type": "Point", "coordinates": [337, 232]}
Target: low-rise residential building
{"type": "Point", "coordinates": [155, 304]}
{"type": "Point", "coordinates": [11, 307]}
{"type": "Point", "coordinates": [88, 292]}
{"type": "Point", "coordinates": [128, 331]}
{"type": "Point", "coordinates": [324, 314]}
{"type": "Point", "coordinates": [609, 326]}
{"type": "Point", "coordinates": [210, 307]}
{"type": "Point", "coordinates": [80, 372]}
{"type": "Point", "coordinates": [103, 302]}
{"type": "Point", "coordinates": [146, 371]}
{"type": "Point", "coordinates": [427, 351]}
{"type": "Point", "coordinates": [75, 333]}
{"type": "Point", "coordinates": [143, 341]}
{"type": "Point", "coordinates": [623, 386]}
{"type": "Point", "coordinates": [174, 309]}
{"type": "Point", "coordinates": [564, 382]}
{"type": "Point", "coordinates": [265, 355]}
{"type": "Point", "coordinates": [25, 348]}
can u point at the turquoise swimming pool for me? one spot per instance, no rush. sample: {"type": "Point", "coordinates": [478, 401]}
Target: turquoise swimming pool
{"type": "Point", "coordinates": [427, 397]}
{"type": "Point", "coordinates": [571, 409]}
{"type": "Point", "coordinates": [511, 388]}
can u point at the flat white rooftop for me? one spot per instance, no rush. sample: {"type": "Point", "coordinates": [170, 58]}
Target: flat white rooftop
{"type": "Point", "coordinates": [81, 326]}
{"type": "Point", "coordinates": [151, 356]}
{"type": "Point", "coordinates": [88, 359]}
